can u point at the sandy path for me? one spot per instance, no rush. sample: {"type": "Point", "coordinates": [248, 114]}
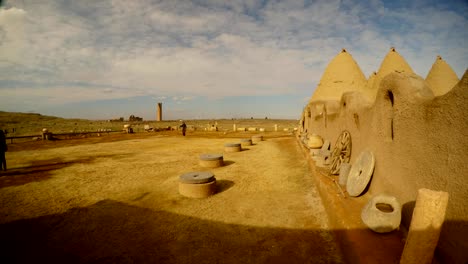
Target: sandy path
{"type": "Point", "coordinates": [118, 202]}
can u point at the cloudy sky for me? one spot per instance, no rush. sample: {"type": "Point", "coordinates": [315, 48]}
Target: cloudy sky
{"type": "Point", "coordinates": [206, 58]}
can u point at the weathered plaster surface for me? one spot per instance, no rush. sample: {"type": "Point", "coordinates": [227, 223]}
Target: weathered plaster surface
{"type": "Point", "coordinates": [419, 141]}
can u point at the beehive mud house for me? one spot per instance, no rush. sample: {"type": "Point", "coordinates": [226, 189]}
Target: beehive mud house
{"type": "Point", "coordinates": [417, 129]}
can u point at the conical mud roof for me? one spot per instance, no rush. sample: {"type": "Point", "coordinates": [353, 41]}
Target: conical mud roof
{"type": "Point", "coordinates": [393, 62]}
{"type": "Point", "coordinates": [341, 75]}
{"type": "Point", "coordinates": [441, 78]}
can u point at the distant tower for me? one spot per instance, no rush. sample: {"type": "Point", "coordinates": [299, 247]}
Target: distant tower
{"type": "Point", "coordinates": [159, 114]}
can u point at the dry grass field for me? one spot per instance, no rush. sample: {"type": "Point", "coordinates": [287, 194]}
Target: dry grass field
{"type": "Point", "coordinates": [114, 199]}
{"type": "Point", "coordinates": [32, 124]}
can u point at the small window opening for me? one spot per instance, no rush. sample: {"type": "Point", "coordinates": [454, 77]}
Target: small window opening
{"type": "Point", "coordinates": [390, 97]}
{"type": "Point", "coordinates": [389, 112]}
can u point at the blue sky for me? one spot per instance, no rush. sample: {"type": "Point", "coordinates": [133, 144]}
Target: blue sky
{"type": "Point", "coordinates": [206, 59]}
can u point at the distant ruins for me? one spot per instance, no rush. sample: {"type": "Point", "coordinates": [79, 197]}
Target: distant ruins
{"type": "Point", "coordinates": [133, 118]}
{"type": "Point", "coordinates": [416, 129]}
{"type": "Point", "coordinates": [120, 119]}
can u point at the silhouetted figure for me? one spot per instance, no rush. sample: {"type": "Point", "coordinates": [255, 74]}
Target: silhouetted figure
{"type": "Point", "coordinates": [184, 128]}
{"type": "Point", "coordinates": [3, 149]}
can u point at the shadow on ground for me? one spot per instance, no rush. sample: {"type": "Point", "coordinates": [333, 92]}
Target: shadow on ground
{"type": "Point", "coordinates": [42, 170]}
{"type": "Point", "coordinates": [114, 232]}
{"type": "Point", "coordinates": [223, 185]}
{"type": "Point", "coordinates": [228, 162]}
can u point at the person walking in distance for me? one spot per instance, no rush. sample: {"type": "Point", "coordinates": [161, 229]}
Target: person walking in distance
{"type": "Point", "coordinates": [3, 149]}
{"type": "Point", "coordinates": [184, 128]}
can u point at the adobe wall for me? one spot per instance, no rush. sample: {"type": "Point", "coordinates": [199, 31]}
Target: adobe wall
{"type": "Point", "coordinates": [419, 141]}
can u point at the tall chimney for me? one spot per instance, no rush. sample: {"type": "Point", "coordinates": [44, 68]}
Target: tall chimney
{"type": "Point", "coordinates": [159, 115]}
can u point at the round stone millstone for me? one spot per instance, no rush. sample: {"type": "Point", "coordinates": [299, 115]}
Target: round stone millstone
{"type": "Point", "coordinates": [232, 147]}
{"type": "Point", "coordinates": [246, 142]}
{"type": "Point", "coordinates": [199, 190]}
{"type": "Point", "coordinates": [256, 139]}
{"type": "Point", "coordinates": [211, 156]}
{"type": "Point", "coordinates": [211, 160]}
{"type": "Point", "coordinates": [360, 173]}
{"type": "Point", "coordinates": [382, 214]}
{"type": "Point", "coordinates": [197, 177]}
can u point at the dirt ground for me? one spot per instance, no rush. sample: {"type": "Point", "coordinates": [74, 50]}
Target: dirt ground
{"type": "Point", "coordinates": [116, 200]}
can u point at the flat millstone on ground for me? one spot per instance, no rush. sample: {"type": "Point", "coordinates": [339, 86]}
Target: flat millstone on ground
{"type": "Point", "coordinates": [118, 202]}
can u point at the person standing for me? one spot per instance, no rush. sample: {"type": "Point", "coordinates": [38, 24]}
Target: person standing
{"type": "Point", "coordinates": [3, 149]}
{"type": "Point", "coordinates": [184, 128]}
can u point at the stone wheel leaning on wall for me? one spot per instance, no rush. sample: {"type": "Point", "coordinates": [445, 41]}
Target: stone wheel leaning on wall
{"type": "Point", "coordinates": [341, 152]}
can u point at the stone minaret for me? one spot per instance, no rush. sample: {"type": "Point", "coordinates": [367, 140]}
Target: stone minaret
{"type": "Point", "coordinates": [159, 114]}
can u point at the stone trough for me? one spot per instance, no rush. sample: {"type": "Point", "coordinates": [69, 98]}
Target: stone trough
{"type": "Point", "coordinates": [198, 184]}
{"type": "Point", "coordinates": [211, 160]}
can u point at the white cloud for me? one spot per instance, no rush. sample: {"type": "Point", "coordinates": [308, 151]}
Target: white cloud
{"type": "Point", "coordinates": [117, 49]}
{"type": "Point", "coordinates": [63, 94]}
{"type": "Point", "coordinates": [180, 99]}
{"type": "Point", "coordinates": [187, 98]}
{"type": "Point", "coordinates": [12, 35]}
{"type": "Point", "coordinates": [192, 23]}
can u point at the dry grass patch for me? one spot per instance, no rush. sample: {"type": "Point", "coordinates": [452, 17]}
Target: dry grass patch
{"type": "Point", "coordinates": [117, 202]}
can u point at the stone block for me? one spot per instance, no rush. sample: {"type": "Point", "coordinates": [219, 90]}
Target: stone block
{"type": "Point", "coordinates": [425, 227]}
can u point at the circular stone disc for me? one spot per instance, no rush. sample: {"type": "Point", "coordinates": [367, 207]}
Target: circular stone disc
{"type": "Point", "coordinates": [197, 177]}
{"type": "Point", "coordinates": [232, 145]}
{"type": "Point", "coordinates": [360, 173]}
{"type": "Point", "coordinates": [211, 156]}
